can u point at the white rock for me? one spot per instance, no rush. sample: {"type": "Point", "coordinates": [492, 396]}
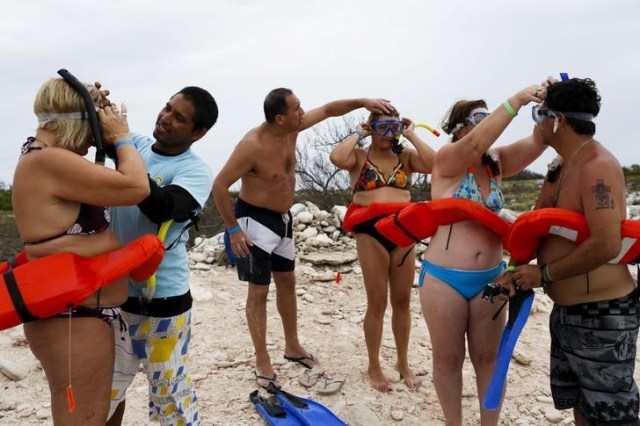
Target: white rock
{"type": "Point", "coordinates": [312, 208]}
{"type": "Point", "coordinates": [308, 233]}
{"type": "Point", "coordinates": [320, 240]}
{"type": "Point", "coordinates": [13, 371]}
{"type": "Point", "coordinates": [324, 276]}
{"type": "Point", "coordinates": [321, 215]}
{"type": "Point", "coordinates": [553, 416]}
{"type": "Point", "coordinates": [521, 357]}
{"type": "Point", "coordinates": [304, 217]}
{"type": "Point", "coordinates": [297, 208]}
{"type": "Point", "coordinates": [397, 414]}
{"type": "Point", "coordinates": [339, 212]}
{"type": "Point", "coordinates": [333, 258]}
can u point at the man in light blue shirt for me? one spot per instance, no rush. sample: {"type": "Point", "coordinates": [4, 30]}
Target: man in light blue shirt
{"type": "Point", "coordinates": [159, 317]}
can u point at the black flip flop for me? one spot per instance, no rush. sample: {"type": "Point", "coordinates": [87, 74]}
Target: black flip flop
{"type": "Point", "coordinates": [302, 360]}
{"type": "Point", "coordinates": [268, 379]}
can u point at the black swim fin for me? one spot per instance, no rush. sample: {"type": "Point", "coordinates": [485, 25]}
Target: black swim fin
{"type": "Point", "coordinates": [272, 412]}
{"type": "Point", "coordinates": [307, 411]}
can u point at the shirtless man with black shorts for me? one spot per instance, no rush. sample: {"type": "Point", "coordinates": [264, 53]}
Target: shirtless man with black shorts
{"type": "Point", "coordinates": [260, 228]}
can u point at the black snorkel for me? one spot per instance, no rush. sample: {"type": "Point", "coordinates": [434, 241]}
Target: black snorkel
{"type": "Point", "coordinates": [91, 112]}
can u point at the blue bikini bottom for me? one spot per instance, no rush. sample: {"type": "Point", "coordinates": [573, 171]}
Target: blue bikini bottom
{"type": "Point", "coordinates": [467, 283]}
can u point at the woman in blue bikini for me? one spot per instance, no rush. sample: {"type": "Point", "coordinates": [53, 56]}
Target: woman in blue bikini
{"type": "Point", "coordinates": [463, 257]}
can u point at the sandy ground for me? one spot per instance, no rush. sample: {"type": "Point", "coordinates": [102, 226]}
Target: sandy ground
{"type": "Point", "coordinates": [330, 323]}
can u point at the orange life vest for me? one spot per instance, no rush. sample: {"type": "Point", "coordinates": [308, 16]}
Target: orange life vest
{"type": "Point", "coordinates": [357, 214]}
{"type": "Point", "coordinates": [47, 286]}
{"type": "Point", "coordinates": [531, 226]}
{"type": "Point", "coordinates": [421, 220]}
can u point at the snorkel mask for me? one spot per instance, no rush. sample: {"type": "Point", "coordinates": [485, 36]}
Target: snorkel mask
{"type": "Point", "coordinates": [388, 127]}
{"type": "Point", "coordinates": [91, 114]}
{"type": "Point", "coordinates": [475, 117]}
{"type": "Point", "coordinates": [539, 112]}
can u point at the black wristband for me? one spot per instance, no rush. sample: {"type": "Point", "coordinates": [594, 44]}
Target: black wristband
{"type": "Point", "coordinates": [545, 279]}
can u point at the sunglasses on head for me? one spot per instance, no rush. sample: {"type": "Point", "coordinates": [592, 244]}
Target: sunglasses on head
{"type": "Point", "coordinates": [388, 127]}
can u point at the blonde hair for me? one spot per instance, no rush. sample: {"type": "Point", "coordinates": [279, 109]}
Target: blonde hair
{"type": "Point", "coordinates": [57, 96]}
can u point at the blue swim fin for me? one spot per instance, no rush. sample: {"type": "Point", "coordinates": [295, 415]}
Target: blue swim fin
{"type": "Point", "coordinates": [519, 308]}
{"type": "Point", "coordinates": [272, 412]}
{"type": "Point", "coordinates": [233, 260]}
{"type": "Point", "coordinates": [309, 412]}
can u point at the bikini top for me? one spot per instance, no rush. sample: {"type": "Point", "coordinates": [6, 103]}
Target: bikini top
{"type": "Point", "coordinates": [91, 219]}
{"type": "Point", "coordinates": [469, 189]}
{"type": "Point", "coordinates": [371, 177]}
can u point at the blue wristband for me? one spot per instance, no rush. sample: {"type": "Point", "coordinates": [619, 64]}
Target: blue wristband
{"type": "Point", "coordinates": [359, 133]}
{"type": "Point", "coordinates": [233, 230]}
{"type": "Point", "coordinates": [123, 142]}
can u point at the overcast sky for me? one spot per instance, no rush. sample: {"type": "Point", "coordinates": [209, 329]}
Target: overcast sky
{"type": "Point", "coordinates": [422, 55]}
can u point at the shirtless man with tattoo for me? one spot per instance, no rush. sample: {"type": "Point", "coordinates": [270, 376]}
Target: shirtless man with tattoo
{"type": "Point", "coordinates": [595, 318]}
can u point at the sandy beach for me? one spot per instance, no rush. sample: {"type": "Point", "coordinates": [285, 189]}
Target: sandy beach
{"type": "Point", "coordinates": [330, 318]}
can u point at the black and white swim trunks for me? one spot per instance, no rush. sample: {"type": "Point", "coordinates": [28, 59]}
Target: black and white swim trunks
{"type": "Point", "coordinates": [273, 249]}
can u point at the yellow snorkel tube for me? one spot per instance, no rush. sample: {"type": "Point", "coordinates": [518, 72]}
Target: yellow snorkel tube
{"type": "Point", "coordinates": [150, 290]}
{"type": "Point", "coordinates": [429, 128]}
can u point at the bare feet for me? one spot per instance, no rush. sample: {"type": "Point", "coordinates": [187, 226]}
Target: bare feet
{"type": "Point", "coordinates": [409, 378]}
{"type": "Point", "coordinates": [379, 381]}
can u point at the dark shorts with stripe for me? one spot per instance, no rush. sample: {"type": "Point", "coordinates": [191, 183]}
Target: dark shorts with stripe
{"type": "Point", "coordinates": [273, 248]}
{"type": "Point", "coordinates": [593, 352]}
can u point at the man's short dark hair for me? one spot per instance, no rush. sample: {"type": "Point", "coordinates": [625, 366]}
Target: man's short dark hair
{"type": "Point", "coordinates": [276, 103]}
{"type": "Point", "coordinates": [206, 109]}
{"type": "Point", "coordinates": [575, 95]}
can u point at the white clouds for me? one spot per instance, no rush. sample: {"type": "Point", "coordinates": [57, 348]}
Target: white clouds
{"type": "Point", "coordinates": [423, 55]}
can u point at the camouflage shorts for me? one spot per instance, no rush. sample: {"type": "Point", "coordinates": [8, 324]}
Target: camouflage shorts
{"type": "Point", "coordinates": [593, 351]}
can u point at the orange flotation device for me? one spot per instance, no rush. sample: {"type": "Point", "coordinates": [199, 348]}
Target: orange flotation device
{"type": "Point", "coordinates": [47, 286]}
{"type": "Point", "coordinates": [357, 214]}
{"type": "Point", "coordinates": [531, 226]}
{"type": "Point", "coordinates": [421, 220]}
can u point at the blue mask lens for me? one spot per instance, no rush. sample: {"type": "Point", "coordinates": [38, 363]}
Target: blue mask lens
{"type": "Point", "coordinates": [477, 117]}
{"type": "Point", "coordinates": [389, 128]}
